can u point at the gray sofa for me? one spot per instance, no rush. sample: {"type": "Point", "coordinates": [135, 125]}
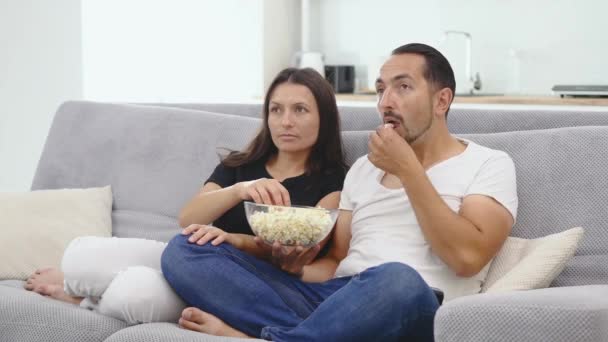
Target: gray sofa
{"type": "Point", "coordinates": [156, 157]}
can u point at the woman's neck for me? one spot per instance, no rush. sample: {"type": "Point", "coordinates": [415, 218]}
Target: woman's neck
{"type": "Point", "coordinates": [286, 165]}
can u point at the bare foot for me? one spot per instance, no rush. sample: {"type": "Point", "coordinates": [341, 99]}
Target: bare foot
{"type": "Point", "coordinates": [44, 276]}
{"type": "Point", "coordinates": [49, 282]}
{"type": "Point", "coordinates": [198, 320]}
{"type": "Point", "coordinates": [57, 292]}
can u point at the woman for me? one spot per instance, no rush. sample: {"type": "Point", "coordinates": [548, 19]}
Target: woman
{"type": "Point", "coordinates": [296, 158]}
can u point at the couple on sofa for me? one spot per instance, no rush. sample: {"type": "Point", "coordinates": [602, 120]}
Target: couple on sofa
{"type": "Point", "coordinates": [422, 210]}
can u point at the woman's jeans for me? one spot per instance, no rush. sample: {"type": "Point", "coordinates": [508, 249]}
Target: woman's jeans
{"type": "Point", "coordinates": [389, 302]}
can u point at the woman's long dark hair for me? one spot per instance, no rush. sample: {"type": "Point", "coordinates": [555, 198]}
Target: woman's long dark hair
{"type": "Point", "coordinates": [326, 154]}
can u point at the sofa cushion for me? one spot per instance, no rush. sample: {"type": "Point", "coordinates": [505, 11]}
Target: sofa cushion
{"type": "Point", "coordinates": [523, 264]}
{"type": "Point", "coordinates": [28, 316]}
{"type": "Point", "coordinates": [155, 158]}
{"type": "Point", "coordinates": [159, 332]}
{"type": "Point", "coordinates": [38, 225]}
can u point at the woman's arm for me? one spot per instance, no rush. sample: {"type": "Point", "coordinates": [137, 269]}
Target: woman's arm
{"type": "Point", "coordinates": [202, 234]}
{"type": "Point", "coordinates": [209, 204]}
{"type": "Point", "coordinates": [213, 201]}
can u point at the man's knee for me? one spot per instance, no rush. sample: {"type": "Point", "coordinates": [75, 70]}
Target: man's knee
{"type": "Point", "coordinates": [141, 294]}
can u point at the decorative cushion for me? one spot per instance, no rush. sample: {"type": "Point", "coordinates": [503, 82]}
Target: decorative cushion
{"type": "Point", "coordinates": [524, 264]}
{"type": "Point", "coordinates": [36, 226]}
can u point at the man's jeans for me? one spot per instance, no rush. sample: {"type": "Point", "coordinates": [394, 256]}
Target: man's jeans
{"type": "Point", "coordinates": [389, 302]}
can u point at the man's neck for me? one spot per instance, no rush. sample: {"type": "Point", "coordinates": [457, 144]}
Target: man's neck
{"type": "Point", "coordinates": [436, 146]}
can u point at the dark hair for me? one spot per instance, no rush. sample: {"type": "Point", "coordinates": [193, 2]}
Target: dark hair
{"type": "Point", "coordinates": [326, 153]}
{"type": "Point", "coordinates": [438, 71]}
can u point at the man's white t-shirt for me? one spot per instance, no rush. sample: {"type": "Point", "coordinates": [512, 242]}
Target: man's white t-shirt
{"type": "Point", "coordinates": [384, 226]}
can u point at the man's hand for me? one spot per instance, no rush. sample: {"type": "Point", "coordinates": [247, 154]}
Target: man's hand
{"type": "Point", "coordinates": [289, 259]}
{"type": "Point", "coordinates": [388, 151]}
{"type": "Point", "coordinates": [201, 234]}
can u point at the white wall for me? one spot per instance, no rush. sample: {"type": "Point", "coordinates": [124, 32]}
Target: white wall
{"type": "Point", "coordinates": [136, 50]}
{"type": "Point", "coordinates": [172, 51]}
{"type": "Point", "coordinates": [363, 32]}
{"type": "Point", "coordinates": [281, 36]}
{"type": "Point", "coordinates": [40, 67]}
{"type": "Point", "coordinates": [556, 42]}
{"type": "Point", "coordinates": [562, 41]}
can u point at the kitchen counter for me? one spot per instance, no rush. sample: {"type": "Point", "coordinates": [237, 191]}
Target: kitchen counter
{"type": "Point", "coordinates": [483, 99]}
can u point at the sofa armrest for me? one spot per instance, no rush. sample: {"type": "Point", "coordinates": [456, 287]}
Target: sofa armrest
{"type": "Point", "coordinates": [578, 313]}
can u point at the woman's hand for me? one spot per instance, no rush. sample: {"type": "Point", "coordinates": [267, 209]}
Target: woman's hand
{"type": "Point", "coordinates": [290, 259]}
{"type": "Point", "coordinates": [264, 191]}
{"type": "Point", "coordinates": [201, 234]}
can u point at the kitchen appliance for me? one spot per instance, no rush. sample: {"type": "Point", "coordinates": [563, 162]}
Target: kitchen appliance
{"type": "Point", "coordinates": [341, 77]}
{"type": "Point", "coordinates": [580, 90]}
{"type": "Point", "coordinates": [310, 59]}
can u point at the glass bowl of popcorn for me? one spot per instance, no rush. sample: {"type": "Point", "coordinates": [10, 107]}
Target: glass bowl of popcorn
{"type": "Point", "coordinates": [290, 226]}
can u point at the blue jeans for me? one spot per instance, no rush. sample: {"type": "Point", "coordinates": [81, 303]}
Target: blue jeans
{"type": "Point", "coordinates": [389, 302]}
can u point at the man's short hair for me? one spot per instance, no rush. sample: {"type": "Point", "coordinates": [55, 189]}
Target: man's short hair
{"type": "Point", "coordinates": [438, 71]}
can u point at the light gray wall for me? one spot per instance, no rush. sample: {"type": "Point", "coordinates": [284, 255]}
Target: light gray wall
{"type": "Point", "coordinates": [40, 67]}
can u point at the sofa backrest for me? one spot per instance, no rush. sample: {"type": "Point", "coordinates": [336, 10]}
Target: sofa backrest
{"type": "Point", "coordinates": [562, 182]}
{"type": "Point", "coordinates": [497, 118]}
{"type": "Point", "coordinates": [462, 118]}
{"type": "Point", "coordinates": [157, 158]}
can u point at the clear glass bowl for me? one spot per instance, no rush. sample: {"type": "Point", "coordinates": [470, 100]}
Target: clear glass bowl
{"type": "Point", "coordinates": [290, 226]}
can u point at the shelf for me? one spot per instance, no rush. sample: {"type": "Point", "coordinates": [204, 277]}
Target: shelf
{"type": "Point", "coordinates": [481, 99]}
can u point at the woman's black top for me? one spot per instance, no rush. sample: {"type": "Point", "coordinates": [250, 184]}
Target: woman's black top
{"type": "Point", "coordinates": [305, 189]}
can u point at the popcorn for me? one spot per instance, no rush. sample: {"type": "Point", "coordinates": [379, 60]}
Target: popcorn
{"type": "Point", "coordinates": [291, 226]}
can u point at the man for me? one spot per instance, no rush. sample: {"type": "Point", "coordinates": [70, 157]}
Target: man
{"type": "Point", "coordinates": [422, 209]}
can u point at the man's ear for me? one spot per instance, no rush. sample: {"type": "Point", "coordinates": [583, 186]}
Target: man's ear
{"type": "Point", "coordinates": [443, 100]}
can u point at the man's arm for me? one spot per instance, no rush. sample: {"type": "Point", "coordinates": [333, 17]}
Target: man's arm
{"type": "Point", "coordinates": [297, 261]}
{"type": "Point", "coordinates": [465, 241]}
{"type": "Point", "coordinates": [324, 268]}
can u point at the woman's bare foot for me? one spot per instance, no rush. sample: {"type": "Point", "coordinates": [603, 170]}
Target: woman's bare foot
{"type": "Point", "coordinates": [44, 276]}
{"type": "Point", "coordinates": [49, 282]}
{"type": "Point", "coordinates": [57, 292]}
{"type": "Point", "coordinates": [198, 320]}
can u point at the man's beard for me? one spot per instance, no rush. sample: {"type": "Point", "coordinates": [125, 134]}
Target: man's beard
{"type": "Point", "coordinates": [408, 137]}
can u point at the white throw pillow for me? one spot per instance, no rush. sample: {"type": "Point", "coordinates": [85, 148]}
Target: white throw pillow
{"type": "Point", "coordinates": [36, 226]}
{"type": "Point", "coordinates": [523, 264]}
